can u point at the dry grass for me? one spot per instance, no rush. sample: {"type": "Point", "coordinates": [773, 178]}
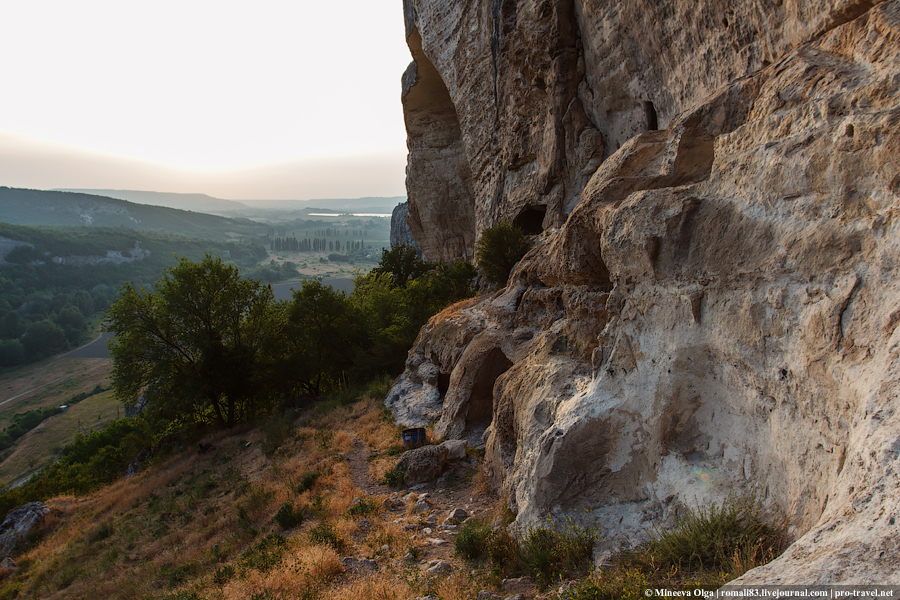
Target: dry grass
{"type": "Point", "coordinates": [194, 523]}
{"type": "Point", "coordinates": [48, 383]}
{"type": "Point", "coordinates": [453, 310]}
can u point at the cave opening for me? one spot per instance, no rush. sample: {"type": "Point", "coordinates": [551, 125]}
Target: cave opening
{"type": "Point", "coordinates": [481, 400]}
{"type": "Point", "coordinates": [443, 383]}
{"type": "Point", "coordinates": [650, 117]}
{"type": "Point", "coordinates": [531, 219]}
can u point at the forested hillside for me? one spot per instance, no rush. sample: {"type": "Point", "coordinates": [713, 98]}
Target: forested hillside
{"type": "Point", "coordinates": [48, 306]}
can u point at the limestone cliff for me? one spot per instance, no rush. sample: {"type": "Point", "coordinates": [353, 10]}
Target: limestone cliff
{"type": "Point", "coordinates": [400, 231]}
{"type": "Point", "coordinates": [712, 303]}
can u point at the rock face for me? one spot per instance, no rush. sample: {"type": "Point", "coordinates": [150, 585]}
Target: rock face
{"type": "Point", "coordinates": [400, 231]}
{"type": "Point", "coordinates": [712, 302]}
{"type": "Point", "coordinates": [18, 523]}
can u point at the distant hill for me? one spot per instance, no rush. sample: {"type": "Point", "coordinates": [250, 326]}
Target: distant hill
{"type": "Point", "coordinates": [194, 202]}
{"type": "Point", "coordinates": [210, 204]}
{"type": "Point", "coordinates": [59, 209]}
{"type": "Point", "coordinates": [369, 204]}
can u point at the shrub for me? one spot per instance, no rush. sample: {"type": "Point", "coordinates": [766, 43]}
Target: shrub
{"type": "Point", "coordinates": [498, 250]}
{"type": "Point", "coordinates": [266, 553]}
{"type": "Point", "coordinates": [223, 574]}
{"type": "Point", "coordinates": [543, 553]}
{"type": "Point", "coordinates": [471, 541]}
{"type": "Point", "coordinates": [394, 478]}
{"type": "Point", "coordinates": [379, 387]}
{"type": "Point", "coordinates": [307, 481]}
{"type": "Point", "coordinates": [623, 584]}
{"type": "Point", "coordinates": [182, 596]}
{"type": "Point", "coordinates": [276, 430]}
{"type": "Point", "coordinates": [703, 550]}
{"type": "Point", "coordinates": [365, 506]}
{"type": "Point", "coordinates": [713, 538]}
{"type": "Point", "coordinates": [325, 533]}
{"type": "Point", "coordinates": [551, 552]}
{"type": "Point", "coordinates": [287, 517]}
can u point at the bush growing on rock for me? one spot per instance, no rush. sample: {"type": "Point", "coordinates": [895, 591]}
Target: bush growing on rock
{"type": "Point", "coordinates": [498, 250]}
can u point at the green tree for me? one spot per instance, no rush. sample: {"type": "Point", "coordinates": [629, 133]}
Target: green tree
{"type": "Point", "coordinates": [193, 347]}
{"type": "Point", "coordinates": [320, 329]}
{"type": "Point", "coordinates": [498, 250]}
{"type": "Point", "coordinates": [70, 316]}
{"type": "Point", "coordinates": [12, 353]}
{"type": "Point", "coordinates": [43, 339]}
{"type": "Point", "coordinates": [402, 262]}
{"type": "Point", "coordinates": [12, 325]}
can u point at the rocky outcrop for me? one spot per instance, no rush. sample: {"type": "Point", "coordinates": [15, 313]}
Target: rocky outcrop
{"type": "Point", "coordinates": [428, 462]}
{"type": "Point", "coordinates": [18, 523]}
{"type": "Point", "coordinates": [712, 300]}
{"type": "Point", "coordinates": [400, 231]}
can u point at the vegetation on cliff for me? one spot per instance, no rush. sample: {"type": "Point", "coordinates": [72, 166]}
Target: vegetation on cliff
{"type": "Point", "coordinates": [498, 250]}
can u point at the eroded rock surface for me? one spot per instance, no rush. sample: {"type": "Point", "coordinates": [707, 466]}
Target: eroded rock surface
{"type": "Point", "coordinates": [18, 523]}
{"type": "Point", "coordinates": [712, 303]}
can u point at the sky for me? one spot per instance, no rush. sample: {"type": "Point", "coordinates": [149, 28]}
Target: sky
{"type": "Point", "coordinates": [271, 99]}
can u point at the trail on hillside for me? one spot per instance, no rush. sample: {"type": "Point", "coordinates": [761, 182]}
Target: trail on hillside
{"type": "Point", "coordinates": [360, 473]}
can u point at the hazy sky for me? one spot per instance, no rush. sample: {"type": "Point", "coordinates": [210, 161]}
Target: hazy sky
{"type": "Point", "coordinates": [268, 99]}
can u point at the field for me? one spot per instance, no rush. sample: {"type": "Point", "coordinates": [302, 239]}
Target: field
{"type": "Point", "coordinates": [49, 384]}
{"type": "Point", "coordinates": [374, 232]}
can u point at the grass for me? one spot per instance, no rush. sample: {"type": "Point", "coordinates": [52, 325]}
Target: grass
{"type": "Point", "coordinates": [48, 383]}
{"type": "Point", "coordinates": [471, 542]}
{"type": "Point", "coordinates": [219, 526]}
{"type": "Point", "coordinates": [546, 553]}
{"type": "Point", "coordinates": [705, 549]}
{"type": "Point", "coordinates": [176, 529]}
{"type": "Point", "coordinates": [38, 447]}
{"type": "Point", "coordinates": [365, 506]}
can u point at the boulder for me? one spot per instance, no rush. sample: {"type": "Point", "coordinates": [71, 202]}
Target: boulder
{"type": "Point", "coordinates": [359, 566]}
{"type": "Point", "coordinates": [19, 522]}
{"type": "Point", "coordinates": [424, 464]}
{"type": "Point", "coordinates": [438, 567]}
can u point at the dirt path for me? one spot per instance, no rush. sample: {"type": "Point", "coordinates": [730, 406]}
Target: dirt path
{"type": "Point", "coordinates": [360, 472]}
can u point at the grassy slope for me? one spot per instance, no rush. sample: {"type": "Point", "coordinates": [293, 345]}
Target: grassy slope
{"type": "Point", "coordinates": [204, 526]}
{"type": "Point", "coordinates": [193, 524]}
{"type": "Point", "coordinates": [48, 383]}
{"type": "Point", "coordinates": [38, 447]}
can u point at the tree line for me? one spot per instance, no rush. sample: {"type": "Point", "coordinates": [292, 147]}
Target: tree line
{"type": "Point", "coordinates": [292, 244]}
{"type": "Point", "coordinates": [206, 346]}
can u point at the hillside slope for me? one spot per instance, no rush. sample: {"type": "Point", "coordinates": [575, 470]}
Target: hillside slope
{"type": "Point", "coordinates": [193, 202]}
{"type": "Point", "coordinates": [44, 208]}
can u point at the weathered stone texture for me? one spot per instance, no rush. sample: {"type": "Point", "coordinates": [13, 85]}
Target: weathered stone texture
{"type": "Point", "coordinates": [714, 306]}
{"type": "Point", "coordinates": [400, 231]}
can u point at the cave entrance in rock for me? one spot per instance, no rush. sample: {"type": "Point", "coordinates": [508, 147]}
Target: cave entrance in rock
{"type": "Point", "coordinates": [443, 383]}
{"type": "Point", "coordinates": [531, 219]}
{"type": "Point", "coordinates": [650, 117]}
{"type": "Point", "coordinates": [481, 400]}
